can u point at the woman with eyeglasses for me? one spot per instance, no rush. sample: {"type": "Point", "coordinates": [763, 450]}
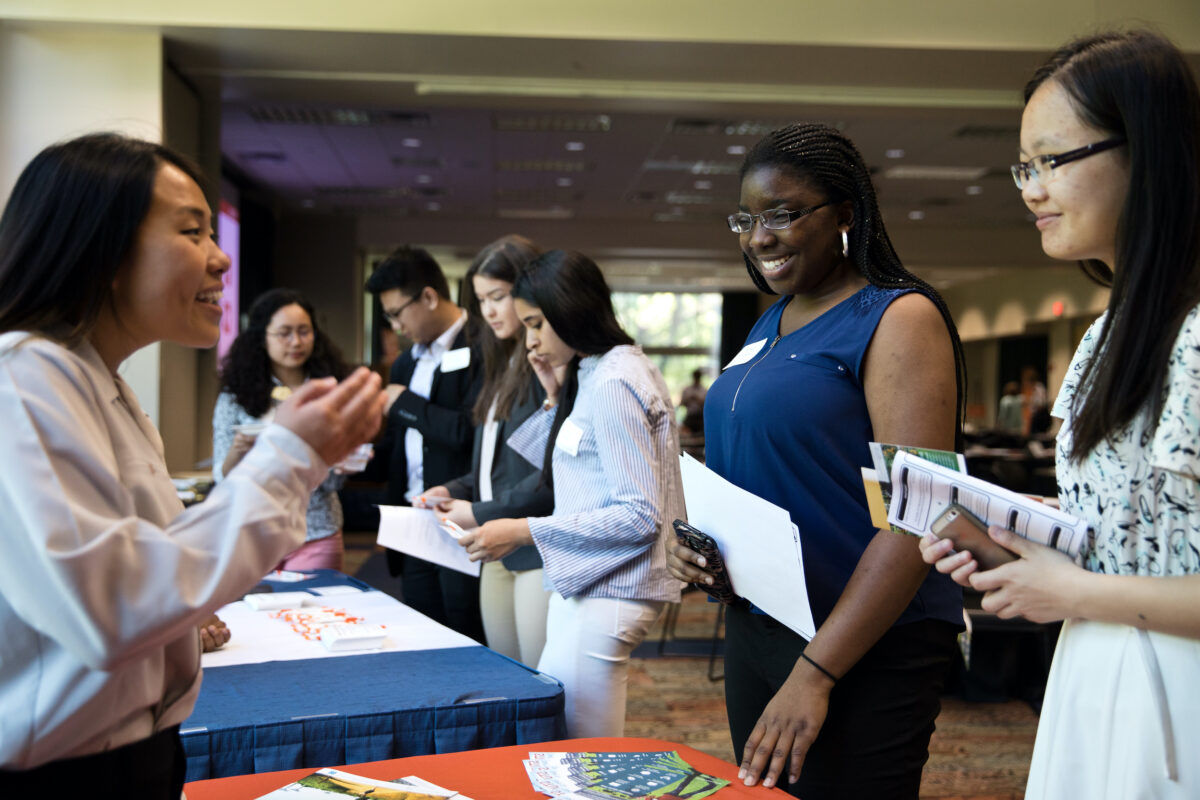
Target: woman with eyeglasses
{"type": "Point", "coordinates": [502, 483]}
{"type": "Point", "coordinates": [608, 445]}
{"type": "Point", "coordinates": [279, 350]}
{"type": "Point", "coordinates": [856, 349]}
{"type": "Point", "coordinates": [1111, 138]}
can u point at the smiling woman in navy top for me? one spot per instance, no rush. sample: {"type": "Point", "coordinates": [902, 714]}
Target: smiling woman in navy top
{"type": "Point", "coordinates": [857, 349]}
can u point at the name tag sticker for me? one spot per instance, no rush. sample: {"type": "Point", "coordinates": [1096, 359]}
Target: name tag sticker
{"type": "Point", "coordinates": [455, 360]}
{"type": "Point", "coordinates": [568, 437]}
{"type": "Point", "coordinates": [748, 352]}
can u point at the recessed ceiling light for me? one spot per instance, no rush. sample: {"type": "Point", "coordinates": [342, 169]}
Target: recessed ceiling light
{"type": "Point", "coordinates": [973, 189]}
{"type": "Point", "coordinates": [916, 216]}
{"type": "Point", "coordinates": [703, 184]}
{"type": "Point", "coordinates": [564, 182]}
{"type": "Point", "coordinates": [736, 149]}
{"type": "Point", "coordinates": [894, 152]}
{"type": "Point", "coordinates": [574, 147]}
{"type": "Point", "coordinates": [424, 179]}
{"type": "Point", "coordinates": [410, 142]}
{"type": "Point", "coordinates": [434, 206]}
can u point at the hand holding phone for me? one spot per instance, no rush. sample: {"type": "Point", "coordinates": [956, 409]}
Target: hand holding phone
{"type": "Point", "coordinates": [699, 541]}
{"type": "Point", "coordinates": [969, 532]}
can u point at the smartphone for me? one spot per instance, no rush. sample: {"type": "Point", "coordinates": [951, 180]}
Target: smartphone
{"type": "Point", "coordinates": [969, 532]}
{"type": "Point", "coordinates": [696, 539]}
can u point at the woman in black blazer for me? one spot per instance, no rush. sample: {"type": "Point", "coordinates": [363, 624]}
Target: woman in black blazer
{"type": "Point", "coordinates": [502, 484]}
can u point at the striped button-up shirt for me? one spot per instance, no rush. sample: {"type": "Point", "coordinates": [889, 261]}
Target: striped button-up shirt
{"type": "Point", "coordinates": [617, 486]}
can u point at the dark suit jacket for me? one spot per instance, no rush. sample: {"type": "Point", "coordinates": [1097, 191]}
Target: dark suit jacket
{"type": "Point", "coordinates": [444, 422]}
{"type": "Point", "coordinates": [517, 487]}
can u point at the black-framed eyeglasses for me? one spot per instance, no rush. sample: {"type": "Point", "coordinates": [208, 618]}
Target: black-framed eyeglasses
{"type": "Point", "coordinates": [1041, 168]}
{"type": "Point", "coordinates": [775, 219]}
{"type": "Point", "coordinates": [393, 315]}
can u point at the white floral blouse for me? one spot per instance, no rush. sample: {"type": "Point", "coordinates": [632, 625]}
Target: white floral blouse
{"type": "Point", "coordinates": [1140, 491]}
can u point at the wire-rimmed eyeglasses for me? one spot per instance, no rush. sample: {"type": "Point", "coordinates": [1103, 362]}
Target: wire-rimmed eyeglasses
{"type": "Point", "coordinates": [1041, 168]}
{"type": "Point", "coordinates": [775, 219]}
{"type": "Point", "coordinates": [284, 334]}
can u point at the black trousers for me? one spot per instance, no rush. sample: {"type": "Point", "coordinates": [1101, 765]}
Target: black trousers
{"type": "Point", "coordinates": [875, 739]}
{"type": "Point", "coordinates": [152, 769]}
{"type": "Point", "coordinates": [444, 595]}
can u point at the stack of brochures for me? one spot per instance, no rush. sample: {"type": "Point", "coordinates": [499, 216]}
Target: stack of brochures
{"type": "Point", "coordinates": [329, 784]}
{"type": "Point", "coordinates": [618, 776]}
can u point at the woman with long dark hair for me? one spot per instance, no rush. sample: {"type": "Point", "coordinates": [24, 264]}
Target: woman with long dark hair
{"type": "Point", "coordinates": [281, 348]}
{"type": "Point", "coordinates": [502, 483]}
{"type": "Point", "coordinates": [857, 349]}
{"type": "Point", "coordinates": [105, 247]}
{"type": "Point", "coordinates": [608, 445]}
{"type": "Point", "coordinates": [1110, 142]}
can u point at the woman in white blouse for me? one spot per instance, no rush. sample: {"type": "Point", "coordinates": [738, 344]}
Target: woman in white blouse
{"type": "Point", "coordinates": [106, 247]}
{"type": "Point", "coordinates": [610, 448]}
{"type": "Point", "coordinates": [1110, 142]}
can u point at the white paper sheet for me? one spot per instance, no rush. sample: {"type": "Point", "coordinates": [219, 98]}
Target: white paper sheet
{"type": "Point", "coordinates": [258, 638]}
{"type": "Point", "coordinates": [757, 539]}
{"type": "Point", "coordinates": [922, 489]}
{"type": "Point", "coordinates": [416, 531]}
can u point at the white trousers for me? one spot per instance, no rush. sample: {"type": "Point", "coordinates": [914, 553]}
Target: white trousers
{"type": "Point", "coordinates": [514, 606]}
{"type": "Point", "coordinates": [588, 643]}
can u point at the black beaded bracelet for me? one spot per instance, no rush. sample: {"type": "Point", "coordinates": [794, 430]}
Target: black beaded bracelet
{"type": "Point", "coordinates": [821, 669]}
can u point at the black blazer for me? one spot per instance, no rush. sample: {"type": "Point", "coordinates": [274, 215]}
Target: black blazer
{"type": "Point", "coordinates": [517, 486]}
{"type": "Point", "coordinates": [444, 421]}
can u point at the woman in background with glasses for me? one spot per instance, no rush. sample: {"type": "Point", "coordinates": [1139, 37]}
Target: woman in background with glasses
{"type": "Point", "coordinates": [1111, 131]}
{"type": "Point", "coordinates": [856, 349]}
{"type": "Point", "coordinates": [280, 349]}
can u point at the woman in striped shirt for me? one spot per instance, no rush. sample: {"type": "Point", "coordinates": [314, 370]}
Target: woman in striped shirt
{"type": "Point", "coordinates": [610, 448]}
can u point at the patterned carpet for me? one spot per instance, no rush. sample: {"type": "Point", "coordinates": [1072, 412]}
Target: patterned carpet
{"type": "Point", "coordinates": [980, 751]}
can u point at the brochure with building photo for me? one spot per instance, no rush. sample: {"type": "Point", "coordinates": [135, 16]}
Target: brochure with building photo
{"type": "Point", "coordinates": [332, 784]}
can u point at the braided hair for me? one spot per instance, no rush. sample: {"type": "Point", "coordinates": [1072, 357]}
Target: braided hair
{"type": "Point", "coordinates": [826, 160]}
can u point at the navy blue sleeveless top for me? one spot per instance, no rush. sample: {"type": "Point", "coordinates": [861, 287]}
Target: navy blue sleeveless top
{"type": "Point", "coordinates": [791, 426]}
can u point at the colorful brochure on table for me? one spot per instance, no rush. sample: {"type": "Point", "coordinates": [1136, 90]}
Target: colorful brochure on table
{"type": "Point", "coordinates": [618, 776]}
{"type": "Point", "coordinates": [331, 784]}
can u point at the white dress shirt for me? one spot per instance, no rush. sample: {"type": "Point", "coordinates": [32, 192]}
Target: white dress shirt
{"type": "Point", "coordinates": [429, 358]}
{"type": "Point", "coordinates": [104, 576]}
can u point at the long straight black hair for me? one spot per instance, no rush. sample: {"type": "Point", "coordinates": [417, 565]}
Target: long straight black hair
{"type": "Point", "coordinates": [825, 159]}
{"type": "Point", "coordinates": [1137, 85]}
{"type": "Point", "coordinates": [69, 224]}
{"type": "Point", "coordinates": [507, 376]}
{"type": "Point", "coordinates": [570, 291]}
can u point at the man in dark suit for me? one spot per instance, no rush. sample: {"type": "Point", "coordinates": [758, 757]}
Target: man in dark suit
{"type": "Point", "coordinates": [428, 440]}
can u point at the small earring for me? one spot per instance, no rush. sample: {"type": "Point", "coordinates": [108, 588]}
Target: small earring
{"type": "Point", "coordinates": [845, 245]}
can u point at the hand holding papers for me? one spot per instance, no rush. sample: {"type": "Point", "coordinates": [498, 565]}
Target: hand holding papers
{"type": "Point", "coordinates": [758, 540]}
{"type": "Point", "coordinates": [420, 532]}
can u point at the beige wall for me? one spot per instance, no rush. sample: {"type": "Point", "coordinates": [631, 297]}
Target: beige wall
{"type": "Point", "coordinates": [1016, 304]}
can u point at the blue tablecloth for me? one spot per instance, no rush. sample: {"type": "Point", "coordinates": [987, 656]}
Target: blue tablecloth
{"type": "Point", "coordinates": [327, 711]}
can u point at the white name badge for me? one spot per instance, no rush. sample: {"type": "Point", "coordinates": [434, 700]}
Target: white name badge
{"type": "Point", "coordinates": [568, 437]}
{"type": "Point", "coordinates": [455, 360]}
{"type": "Point", "coordinates": [748, 352]}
